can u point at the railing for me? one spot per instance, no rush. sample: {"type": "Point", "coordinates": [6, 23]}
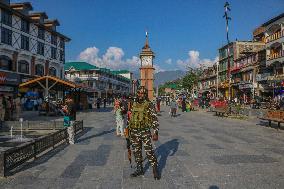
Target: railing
{"type": "Point", "coordinates": [275, 36]}
{"type": "Point", "coordinates": [34, 125]}
{"type": "Point", "coordinates": [14, 157]}
{"type": "Point", "coordinates": [275, 55]}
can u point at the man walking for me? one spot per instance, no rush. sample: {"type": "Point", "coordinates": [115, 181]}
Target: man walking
{"type": "Point", "coordinates": [69, 118]}
{"type": "Point", "coordinates": [142, 120]}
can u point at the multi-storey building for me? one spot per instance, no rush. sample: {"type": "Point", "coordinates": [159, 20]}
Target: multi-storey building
{"type": "Point", "coordinates": [101, 82]}
{"type": "Point", "coordinates": [30, 45]}
{"type": "Point", "coordinates": [207, 83]}
{"type": "Point", "coordinates": [274, 44]}
{"type": "Point", "coordinates": [237, 49]}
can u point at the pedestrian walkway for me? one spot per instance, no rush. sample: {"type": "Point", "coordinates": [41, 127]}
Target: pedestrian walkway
{"type": "Point", "coordinates": [195, 150]}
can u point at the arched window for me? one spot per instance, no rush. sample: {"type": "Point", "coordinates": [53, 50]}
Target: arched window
{"type": "Point", "coordinates": [23, 67]}
{"type": "Point", "coordinates": [52, 71]}
{"type": "Point", "coordinates": [5, 63]}
{"type": "Point", "coordinates": [39, 70]}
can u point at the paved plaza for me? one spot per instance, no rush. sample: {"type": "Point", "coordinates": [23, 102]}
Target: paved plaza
{"type": "Point", "coordinates": [195, 150]}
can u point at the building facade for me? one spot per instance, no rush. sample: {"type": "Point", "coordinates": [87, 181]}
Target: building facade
{"type": "Point", "coordinates": [237, 49]}
{"type": "Point", "coordinates": [30, 46]}
{"type": "Point", "coordinates": [100, 82]}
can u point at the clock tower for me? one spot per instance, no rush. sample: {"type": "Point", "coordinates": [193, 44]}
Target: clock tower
{"type": "Point", "coordinates": [147, 69]}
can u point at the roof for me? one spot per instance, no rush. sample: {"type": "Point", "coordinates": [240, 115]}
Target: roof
{"type": "Point", "coordinates": [116, 72]}
{"type": "Point", "coordinates": [37, 83]}
{"type": "Point", "coordinates": [273, 20]}
{"type": "Point", "coordinates": [79, 66]}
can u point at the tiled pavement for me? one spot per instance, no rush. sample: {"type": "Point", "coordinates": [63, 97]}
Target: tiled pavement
{"type": "Point", "coordinates": [195, 150]}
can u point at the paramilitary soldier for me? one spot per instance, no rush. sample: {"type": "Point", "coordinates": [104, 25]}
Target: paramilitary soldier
{"type": "Point", "coordinates": [142, 120]}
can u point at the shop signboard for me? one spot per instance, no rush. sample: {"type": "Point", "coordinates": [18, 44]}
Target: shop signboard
{"type": "Point", "coordinates": [6, 89]}
{"type": "Point", "coordinates": [7, 78]}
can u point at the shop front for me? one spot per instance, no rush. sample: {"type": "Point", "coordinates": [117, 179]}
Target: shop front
{"type": "Point", "coordinates": [246, 89]}
{"type": "Point", "coordinates": [9, 83]}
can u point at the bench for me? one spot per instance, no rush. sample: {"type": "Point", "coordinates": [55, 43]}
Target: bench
{"type": "Point", "coordinates": [221, 110]}
{"type": "Point", "coordinates": [275, 116]}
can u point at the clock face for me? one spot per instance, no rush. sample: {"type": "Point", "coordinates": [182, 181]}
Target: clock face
{"type": "Point", "coordinates": [146, 61]}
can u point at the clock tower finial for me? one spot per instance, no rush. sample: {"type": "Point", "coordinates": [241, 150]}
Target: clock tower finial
{"type": "Point", "coordinates": [146, 46]}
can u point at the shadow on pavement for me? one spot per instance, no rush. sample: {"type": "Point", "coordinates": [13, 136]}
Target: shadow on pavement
{"type": "Point", "coordinates": [95, 135]}
{"type": "Point", "coordinates": [213, 187]}
{"type": "Point", "coordinates": [163, 152]}
{"type": "Point", "coordinates": [107, 109]}
{"type": "Point", "coordinates": [41, 160]}
{"type": "Point", "coordinates": [273, 125]}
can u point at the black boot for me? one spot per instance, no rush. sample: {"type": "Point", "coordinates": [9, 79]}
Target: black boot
{"type": "Point", "coordinates": [156, 173]}
{"type": "Point", "coordinates": [138, 172]}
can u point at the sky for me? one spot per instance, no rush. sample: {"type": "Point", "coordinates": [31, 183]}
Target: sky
{"type": "Point", "coordinates": [182, 33]}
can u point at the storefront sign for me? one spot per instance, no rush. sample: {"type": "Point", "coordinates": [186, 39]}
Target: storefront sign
{"type": "Point", "coordinates": [9, 78]}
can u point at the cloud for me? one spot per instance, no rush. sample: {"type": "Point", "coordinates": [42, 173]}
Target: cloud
{"type": "Point", "coordinates": [158, 68]}
{"type": "Point", "coordinates": [194, 61]}
{"type": "Point", "coordinates": [169, 61]}
{"type": "Point", "coordinates": [113, 58]}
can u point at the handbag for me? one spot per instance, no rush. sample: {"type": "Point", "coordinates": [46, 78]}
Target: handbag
{"type": "Point", "coordinates": [66, 121]}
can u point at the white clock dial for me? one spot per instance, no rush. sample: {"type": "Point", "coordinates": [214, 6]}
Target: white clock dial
{"type": "Point", "coordinates": [147, 60]}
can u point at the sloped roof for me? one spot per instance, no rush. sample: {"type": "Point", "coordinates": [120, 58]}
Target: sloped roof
{"type": "Point", "coordinates": [78, 66]}
{"type": "Point", "coordinates": [116, 72]}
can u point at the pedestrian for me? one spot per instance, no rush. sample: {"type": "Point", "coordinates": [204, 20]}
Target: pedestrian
{"type": "Point", "coordinates": [8, 113]}
{"type": "Point", "coordinates": [69, 109]}
{"type": "Point", "coordinates": [158, 101]}
{"type": "Point", "coordinates": [173, 108]}
{"type": "Point", "coordinates": [98, 103]}
{"type": "Point", "coordinates": [18, 109]}
{"type": "Point", "coordinates": [119, 119]}
{"type": "Point", "coordinates": [105, 101]}
{"type": "Point", "coordinates": [143, 119]}
{"type": "Point", "coordinates": [2, 108]}
{"type": "Point", "coordinates": [183, 105]}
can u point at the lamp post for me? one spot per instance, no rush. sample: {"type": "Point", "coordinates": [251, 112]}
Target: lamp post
{"type": "Point", "coordinates": [217, 80]}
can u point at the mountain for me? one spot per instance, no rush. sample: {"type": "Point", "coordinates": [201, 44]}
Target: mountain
{"type": "Point", "coordinates": [164, 76]}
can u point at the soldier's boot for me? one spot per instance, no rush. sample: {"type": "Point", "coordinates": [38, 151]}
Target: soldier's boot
{"type": "Point", "coordinates": [156, 173]}
{"type": "Point", "coordinates": [138, 172]}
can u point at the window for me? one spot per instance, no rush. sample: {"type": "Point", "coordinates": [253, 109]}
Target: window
{"type": "Point", "coordinates": [52, 71]}
{"type": "Point", "coordinates": [53, 52]}
{"type": "Point", "coordinates": [6, 17]}
{"type": "Point", "coordinates": [39, 70]}
{"type": "Point", "coordinates": [25, 26]}
{"type": "Point", "coordinates": [40, 33]}
{"type": "Point", "coordinates": [25, 42]}
{"type": "Point", "coordinates": [5, 63]}
{"type": "Point", "coordinates": [40, 48]}
{"type": "Point", "coordinates": [23, 67]}
{"type": "Point", "coordinates": [6, 36]}
{"type": "Point", "coordinates": [53, 40]}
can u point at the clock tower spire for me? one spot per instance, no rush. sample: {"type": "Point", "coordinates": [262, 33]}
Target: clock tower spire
{"type": "Point", "coordinates": [147, 68]}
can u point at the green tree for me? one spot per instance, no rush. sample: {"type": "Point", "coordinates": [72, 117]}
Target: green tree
{"type": "Point", "coordinates": [190, 79]}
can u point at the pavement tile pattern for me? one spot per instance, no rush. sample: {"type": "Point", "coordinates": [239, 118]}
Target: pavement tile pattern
{"type": "Point", "coordinates": [195, 150]}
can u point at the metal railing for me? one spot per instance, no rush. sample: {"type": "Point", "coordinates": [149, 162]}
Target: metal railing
{"type": "Point", "coordinates": [14, 157]}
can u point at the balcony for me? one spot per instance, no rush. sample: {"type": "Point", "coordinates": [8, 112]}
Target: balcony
{"type": "Point", "coordinates": [275, 36]}
{"type": "Point", "coordinates": [277, 55]}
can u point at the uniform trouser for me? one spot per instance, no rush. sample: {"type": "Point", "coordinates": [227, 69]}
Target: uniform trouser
{"type": "Point", "coordinates": [70, 131]}
{"type": "Point", "coordinates": [139, 137]}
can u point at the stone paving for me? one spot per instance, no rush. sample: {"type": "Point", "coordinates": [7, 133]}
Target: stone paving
{"type": "Point", "coordinates": [195, 150]}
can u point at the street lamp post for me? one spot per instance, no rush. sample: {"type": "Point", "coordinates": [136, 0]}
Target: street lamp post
{"type": "Point", "coordinates": [217, 80]}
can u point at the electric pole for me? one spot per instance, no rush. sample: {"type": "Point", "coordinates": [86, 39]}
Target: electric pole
{"type": "Point", "coordinates": [226, 16]}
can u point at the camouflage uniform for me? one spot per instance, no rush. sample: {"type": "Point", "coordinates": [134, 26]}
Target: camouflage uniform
{"type": "Point", "coordinates": [143, 118]}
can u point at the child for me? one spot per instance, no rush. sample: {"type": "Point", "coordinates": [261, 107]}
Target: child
{"type": "Point", "coordinates": [119, 119]}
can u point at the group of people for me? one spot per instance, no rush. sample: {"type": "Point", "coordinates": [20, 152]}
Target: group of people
{"type": "Point", "coordinates": [10, 108]}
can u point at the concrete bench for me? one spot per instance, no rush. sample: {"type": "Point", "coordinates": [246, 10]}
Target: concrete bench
{"type": "Point", "coordinates": [274, 116]}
